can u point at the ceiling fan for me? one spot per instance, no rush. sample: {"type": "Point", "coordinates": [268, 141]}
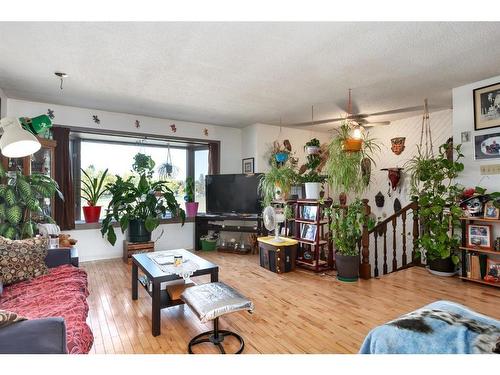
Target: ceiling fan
{"type": "Point", "coordinates": [360, 118]}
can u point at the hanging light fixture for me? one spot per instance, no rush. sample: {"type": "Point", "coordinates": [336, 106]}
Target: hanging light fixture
{"type": "Point", "coordinates": [17, 142]}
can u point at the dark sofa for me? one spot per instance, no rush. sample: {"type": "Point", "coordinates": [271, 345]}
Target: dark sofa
{"type": "Point", "coordinates": [56, 307]}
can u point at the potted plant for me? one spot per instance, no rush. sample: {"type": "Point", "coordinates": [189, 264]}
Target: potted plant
{"type": "Point", "coordinates": [312, 180]}
{"type": "Point", "coordinates": [276, 184]}
{"type": "Point", "coordinates": [312, 147]}
{"type": "Point", "coordinates": [345, 170]}
{"type": "Point", "coordinates": [432, 180]}
{"type": "Point", "coordinates": [93, 188]}
{"type": "Point", "coordinates": [191, 205]}
{"type": "Point", "coordinates": [347, 228]}
{"type": "Point", "coordinates": [313, 183]}
{"type": "Point", "coordinates": [20, 208]}
{"type": "Point", "coordinates": [138, 202]}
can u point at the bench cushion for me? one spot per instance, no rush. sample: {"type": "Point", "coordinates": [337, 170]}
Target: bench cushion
{"type": "Point", "coordinates": [212, 300]}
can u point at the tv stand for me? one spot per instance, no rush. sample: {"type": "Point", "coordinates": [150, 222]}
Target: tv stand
{"type": "Point", "coordinates": [202, 225]}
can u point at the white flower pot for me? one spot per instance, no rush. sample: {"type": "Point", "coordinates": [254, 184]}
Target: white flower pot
{"type": "Point", "coordinates": [312, 190]}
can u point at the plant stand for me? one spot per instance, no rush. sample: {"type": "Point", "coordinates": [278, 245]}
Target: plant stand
{"type": "Point", "coordinates": [314, 253]}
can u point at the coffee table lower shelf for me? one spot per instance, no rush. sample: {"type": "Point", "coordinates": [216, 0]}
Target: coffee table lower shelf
{"type": "Point", "coordinates": [165, 300]}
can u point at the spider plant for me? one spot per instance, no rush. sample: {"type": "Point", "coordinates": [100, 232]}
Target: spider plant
{"type": "Point", "coordinates": [93, 187]}
{"type": "Point", "coordinates": [278, 181]}
{"type": "Point", "coordinates": [344, 169]}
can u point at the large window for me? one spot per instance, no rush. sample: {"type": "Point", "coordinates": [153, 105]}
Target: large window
{"type": "Point", "coordinates": [116, 154]}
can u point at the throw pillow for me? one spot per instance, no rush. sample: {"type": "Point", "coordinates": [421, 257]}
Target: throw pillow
{"type": "Point", "coordinates": [22, 259]}
{"type": "Point", "coordinates": [9, 317]}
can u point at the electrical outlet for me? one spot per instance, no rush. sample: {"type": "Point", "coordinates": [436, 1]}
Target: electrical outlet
{"type": "Point", "coordinates": [490, 169]}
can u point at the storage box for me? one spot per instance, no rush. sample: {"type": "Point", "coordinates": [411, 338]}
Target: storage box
{"type": "Point", "coordinates": [277, 257]}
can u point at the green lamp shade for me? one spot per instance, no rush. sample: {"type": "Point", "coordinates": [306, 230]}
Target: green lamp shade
{"type": "Point", "coordinates": [15, 141]}
{"type": "Point", "coordinates": [36, 125]}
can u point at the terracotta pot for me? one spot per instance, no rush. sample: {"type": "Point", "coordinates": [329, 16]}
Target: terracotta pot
{"type": "Point", "coordinates": [191, 209]}
{"type": "Point", "coordinates": [352, 145]}
{"type": "Point", "coordinates": [347, 267]}
{"type": "Point", "coordinates": [91, 213]}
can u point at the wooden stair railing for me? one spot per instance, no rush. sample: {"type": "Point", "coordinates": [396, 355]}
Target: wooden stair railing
{"type": "Point", "coordinates": [380, 230]}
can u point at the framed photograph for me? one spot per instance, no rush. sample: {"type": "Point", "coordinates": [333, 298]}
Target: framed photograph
{"type": "Point", "coordinates": [248, 165]}
{"type": "Point", "coordinates": [309, 232]}
{"type": "Point", "coordinates": [492, 271]}
{"type": "Point", "coordinates": [487, 146]}
{"type": "Point", "coordinates": [480, 236]}
{"type": "Point", "coordinates": [490, 211]}
{"type": "Point", "coordinates": [465, 137]}
{"type": "Point", "coordinates": [309, 212]}
{"type": "Point", "coordinates": [487, 107]}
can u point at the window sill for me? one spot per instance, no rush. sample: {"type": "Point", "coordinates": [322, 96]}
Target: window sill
{"type": "Point", "coordinates": [82, 225]}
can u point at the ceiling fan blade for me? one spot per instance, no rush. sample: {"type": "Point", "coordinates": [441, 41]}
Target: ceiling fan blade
{"type": "Point", "coordinates": [316, 122]}
{"type": "Point", "coordinates": [401, 110]}
{"type": "Point", "coordinates": [377, 123]}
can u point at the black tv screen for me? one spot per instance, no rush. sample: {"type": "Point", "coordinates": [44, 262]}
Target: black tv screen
{"type": "Point", "coordinates": [233, 193]}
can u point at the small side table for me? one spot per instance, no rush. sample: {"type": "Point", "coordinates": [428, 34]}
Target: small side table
{"type": "Point", "coordinates": [277, 257]}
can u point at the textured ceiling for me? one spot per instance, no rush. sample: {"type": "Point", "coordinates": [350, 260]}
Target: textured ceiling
{"type": "Point", "coordinates": [237, 74]}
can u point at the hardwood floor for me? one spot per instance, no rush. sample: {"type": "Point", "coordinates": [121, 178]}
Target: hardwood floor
{"type": "Point", "coordinates": [297, 312]}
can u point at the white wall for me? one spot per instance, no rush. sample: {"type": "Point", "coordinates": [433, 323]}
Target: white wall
{"type": "Point", "coordinates": [441, 128]}
{"type": "Point", "coordinates": [463, 120]}
{"type": "Point", "coordinates": [91, 245]}
{"type": "Point", "coordinates": [258, 139]}
{"type": "Point", "coordinates": [3, 107]}
{"type": "Point", "coordinates": [230, 138]}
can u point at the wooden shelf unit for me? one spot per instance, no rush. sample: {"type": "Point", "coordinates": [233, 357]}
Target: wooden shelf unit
{"type": "Point", "coordinates": [317, 254]}
{"type": "Point", "coordinates": [465, 249]}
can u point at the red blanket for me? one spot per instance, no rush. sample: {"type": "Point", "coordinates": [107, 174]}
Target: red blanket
{"type": "Point", "coordinates": [61, 293]}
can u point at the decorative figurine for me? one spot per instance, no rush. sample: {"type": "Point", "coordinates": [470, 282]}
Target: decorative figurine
{"type": "Point", "coordinates": [394, 175]}
{"type": "Point", "coordinates": [398, 145]}
{"type": "Point", "coordinates": [397, 205]}
{"type": "Point", "coordinates": [379, 199]}
{"type": "Point", "coordinates": [173, 128]}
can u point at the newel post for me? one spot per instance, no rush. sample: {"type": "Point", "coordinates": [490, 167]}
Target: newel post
{"type": "Point", "coordinates": [365, 271]}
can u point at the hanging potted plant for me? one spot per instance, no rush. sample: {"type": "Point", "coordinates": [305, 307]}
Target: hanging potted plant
{"type": "Point", "coordinates": [313, 180]}
{"type": "Point", "coordinates": [92, 189]}
{"type": "Point", "coordinates": [276, 183]}
{"type": "Point", "coordinates": [346, 171]}
{"type": "Point", "coordinates": [347, 228]}
{"type": "Point", "coordinates": [432, 181]}
{"type": "Point", "coordinates": [312, 147]}
{"type": "Point", "coordinates": [166, 169]}
{"type": "Point", "coordinates": [191, 205]}
{"type": "Point", "coordinates": [138, 202]}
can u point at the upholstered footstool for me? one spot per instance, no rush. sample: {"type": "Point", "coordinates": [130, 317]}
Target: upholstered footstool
{"type": "Point", "coordinates": [209, 302]}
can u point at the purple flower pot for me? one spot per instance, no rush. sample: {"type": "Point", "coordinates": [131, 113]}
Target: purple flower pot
{"type": "Point", "coordinates": [191, 209]}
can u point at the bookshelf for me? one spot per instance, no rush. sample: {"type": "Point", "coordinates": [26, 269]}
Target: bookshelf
{"type": "Point", "coordinates": [315, 250]}
{"type": "Point", "coordinates": [470, 270]}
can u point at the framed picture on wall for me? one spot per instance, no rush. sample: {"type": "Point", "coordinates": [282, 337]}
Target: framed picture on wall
{"type": "Point", "coordinates": [487, 107]}
{"type": "Point", "coordinates": [487, 146]}
{"type": "Point", "coordinates": [248, 165]}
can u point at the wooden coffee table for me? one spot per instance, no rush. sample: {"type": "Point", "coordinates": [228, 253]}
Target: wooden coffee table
{"type": "Point", "coordinates": [161, 298]}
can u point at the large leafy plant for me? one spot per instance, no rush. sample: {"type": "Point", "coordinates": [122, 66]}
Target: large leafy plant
{"type": "Point", "coordinates": [347, 227]}
{"type": "Point", "coordinates": [20, 198]}
{"type": "Point", "coordinates": [344, 168]}
{"type": "Point", "coordinates": [139, 197]}
{"type": "Point", "coordinates": [439, 200]}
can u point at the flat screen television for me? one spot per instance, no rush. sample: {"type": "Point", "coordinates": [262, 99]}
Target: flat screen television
{"type": "Point", "coordinates": [233, 193]}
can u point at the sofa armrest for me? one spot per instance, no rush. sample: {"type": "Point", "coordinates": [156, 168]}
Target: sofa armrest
{"type": "Point", "coordinates": [58, 257]}
{"type": "Point", "coordinates": [37, 336]}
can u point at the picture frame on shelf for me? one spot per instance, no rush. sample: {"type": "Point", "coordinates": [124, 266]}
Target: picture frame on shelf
{"type": "Point", "coordinates": [248, 165]}
{"type": "Point", "coordinates": [309, 212]}
{"type": "Point", "coordinates": [479, 236]}
{"type": "Point", "coordinates": [487, 146]}
{"type": "Point", "coordinates": [309, 232]}
{"type": "Point", "coordinates": [492, 271]}
{"type": "Point", "coordinates": [490, 211]}
{"type": "Point", "coordinates": [487, 107]}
